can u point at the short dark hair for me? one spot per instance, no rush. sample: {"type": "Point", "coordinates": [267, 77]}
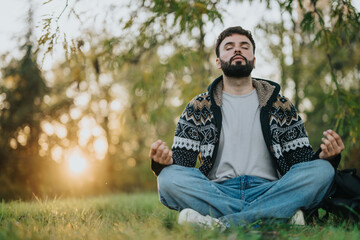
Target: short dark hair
{"type": "Point", "coordinates": [230, 31]}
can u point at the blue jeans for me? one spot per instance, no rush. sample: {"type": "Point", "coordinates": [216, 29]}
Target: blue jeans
{"type": "Point", "coordinates": [245, 199]}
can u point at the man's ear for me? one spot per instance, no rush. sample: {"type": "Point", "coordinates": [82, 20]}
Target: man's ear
{"type": "Point", "coordinates": [218, 63]}
{"type": "Point", "coordinates": [254, 61]}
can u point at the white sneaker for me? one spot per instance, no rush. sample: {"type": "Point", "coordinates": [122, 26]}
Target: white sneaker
{"type": "Point", "coordinates": [298, 218]}
{"type": "Point", "coordinates": [189, 215]}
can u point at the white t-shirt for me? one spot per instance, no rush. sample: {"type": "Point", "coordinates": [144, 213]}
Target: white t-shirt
{"type": "Point", "coordinates": [242, 149]}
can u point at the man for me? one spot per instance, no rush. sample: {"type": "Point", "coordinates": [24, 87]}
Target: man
{"type": "Point", "coordinates": [255, 158]}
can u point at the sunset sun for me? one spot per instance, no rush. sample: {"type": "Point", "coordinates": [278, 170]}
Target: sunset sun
{"type": "Point", "coordinates": [77, 163]}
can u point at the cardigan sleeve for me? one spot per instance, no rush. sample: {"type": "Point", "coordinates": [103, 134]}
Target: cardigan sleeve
{"type": "Point", "coordinates": [186, 146]}
{"type": "Point", "coordinates": [289, 138]}
{"type": "Point", "coordinates": [293, 138]}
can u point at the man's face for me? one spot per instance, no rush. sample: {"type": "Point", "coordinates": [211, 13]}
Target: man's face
{"type": "Point", "coordinates": [236, 57]}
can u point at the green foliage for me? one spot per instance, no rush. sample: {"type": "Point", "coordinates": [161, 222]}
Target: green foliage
{"type": "Point", "coordinates": [324, 43]}
{"type": "Point", "coordinates": [136, 216]}
{"type": "Point", "coordinates": [187, 14]}
{"type": "Point", "coordinates": [339, 39]}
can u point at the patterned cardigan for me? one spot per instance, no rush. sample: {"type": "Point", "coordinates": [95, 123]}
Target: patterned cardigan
{"type": "Point", "coordinates": [198, 129]}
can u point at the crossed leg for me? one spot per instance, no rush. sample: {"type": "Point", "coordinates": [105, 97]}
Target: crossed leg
{"type": "Point", "coordinates": [245, 199]}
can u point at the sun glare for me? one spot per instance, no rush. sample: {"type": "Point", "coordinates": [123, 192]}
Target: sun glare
{"type": "Point", "coordinates": [77, 162]}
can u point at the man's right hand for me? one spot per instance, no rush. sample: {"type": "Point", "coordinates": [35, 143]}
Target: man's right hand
{"type": "Point", "coordinates": [160, 153]}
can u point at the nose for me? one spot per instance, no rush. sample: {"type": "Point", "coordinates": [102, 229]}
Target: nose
{"type": "Point", "coordinates": [237, 50]}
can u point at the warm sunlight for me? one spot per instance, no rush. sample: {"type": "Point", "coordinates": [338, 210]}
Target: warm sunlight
{"type": "Point", "coordinates": [77, 163]}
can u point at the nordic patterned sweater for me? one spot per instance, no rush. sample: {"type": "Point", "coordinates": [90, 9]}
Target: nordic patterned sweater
{"type": "Point", "coordinates": [198, 130]}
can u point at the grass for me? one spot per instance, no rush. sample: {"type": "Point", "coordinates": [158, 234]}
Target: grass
{"type": "Point", "coordinates": [135, 216]}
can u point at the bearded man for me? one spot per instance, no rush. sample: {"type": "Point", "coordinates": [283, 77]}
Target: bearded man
{"type": "Point", "coordinates": [256, 161]}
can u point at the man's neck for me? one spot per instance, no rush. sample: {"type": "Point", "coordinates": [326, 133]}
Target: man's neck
{"type": "Point", "coordinates": [237, 86]}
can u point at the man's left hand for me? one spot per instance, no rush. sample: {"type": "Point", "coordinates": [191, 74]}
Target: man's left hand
{"type": "Point", "coordinates": [332, 145]}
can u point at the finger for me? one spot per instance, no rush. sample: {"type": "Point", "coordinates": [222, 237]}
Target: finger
{"type": "Point", "coordinates": [338, 140]}
{"type": "Point", "coordinates": [335, 141]}
{"type": "Point", "coordinates": [327, 148]}
{"type": "Point", "coordinates": [332, 140]}
{"type": "Point", "coordinates": [164, 155]}
{"type": "Point", "coordinates": [327, 144]}
{"type": "Point", "coordinates": [334, 145]}
{"type": "Point", "coordinates": [324, 151]}
{"type": "Point", "coordinates": [170, 154]}
{"type": "Point", "coordinates": [171, 161]}
{"type": "Point", "coordinates": [160, 150]}
{"type": "Point", "coordinates": [169, 157]}
{"type": "Point", "coordinates": [154, 148]}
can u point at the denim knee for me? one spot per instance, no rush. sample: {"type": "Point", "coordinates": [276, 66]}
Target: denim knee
{"type": "Point", "coordinates": [325, 172]}
{"type": "Point", "coordinates": [168, 177]}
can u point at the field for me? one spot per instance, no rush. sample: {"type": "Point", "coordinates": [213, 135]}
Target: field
{"type": "Point", "coordinates": [136, 216]}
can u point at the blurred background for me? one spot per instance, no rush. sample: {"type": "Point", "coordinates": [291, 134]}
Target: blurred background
{"type": "Point", "coordinates": [87, 85]}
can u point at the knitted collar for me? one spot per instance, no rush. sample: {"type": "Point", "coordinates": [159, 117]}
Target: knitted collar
{"type": "Point", "coordinates": [265, 89]}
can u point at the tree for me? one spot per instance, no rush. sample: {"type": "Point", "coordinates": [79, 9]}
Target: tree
{"type": "Point", "coordinates": [154, 83]}
{"type": "Point", "coordinates": [323, 66]}
{"type": "Point", "coordinates": [23, 89]}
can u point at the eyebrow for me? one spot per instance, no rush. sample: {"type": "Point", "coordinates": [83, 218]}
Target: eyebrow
{"type": "Point", "coordinates": [233, 43]}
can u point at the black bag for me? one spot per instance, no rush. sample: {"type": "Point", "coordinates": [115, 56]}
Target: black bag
{"type": "Point", "coordinates": [344, 203]}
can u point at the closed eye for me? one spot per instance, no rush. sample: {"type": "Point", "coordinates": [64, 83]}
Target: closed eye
{"type": "Point", "coordinates": [229, 46]}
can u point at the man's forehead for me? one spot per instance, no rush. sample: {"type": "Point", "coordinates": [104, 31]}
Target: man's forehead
{"type": "Point", "coordinates": [236, 38]}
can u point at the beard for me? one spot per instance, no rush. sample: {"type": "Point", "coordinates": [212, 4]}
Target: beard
{"type": "Point", "coordinates": [238, 70]}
